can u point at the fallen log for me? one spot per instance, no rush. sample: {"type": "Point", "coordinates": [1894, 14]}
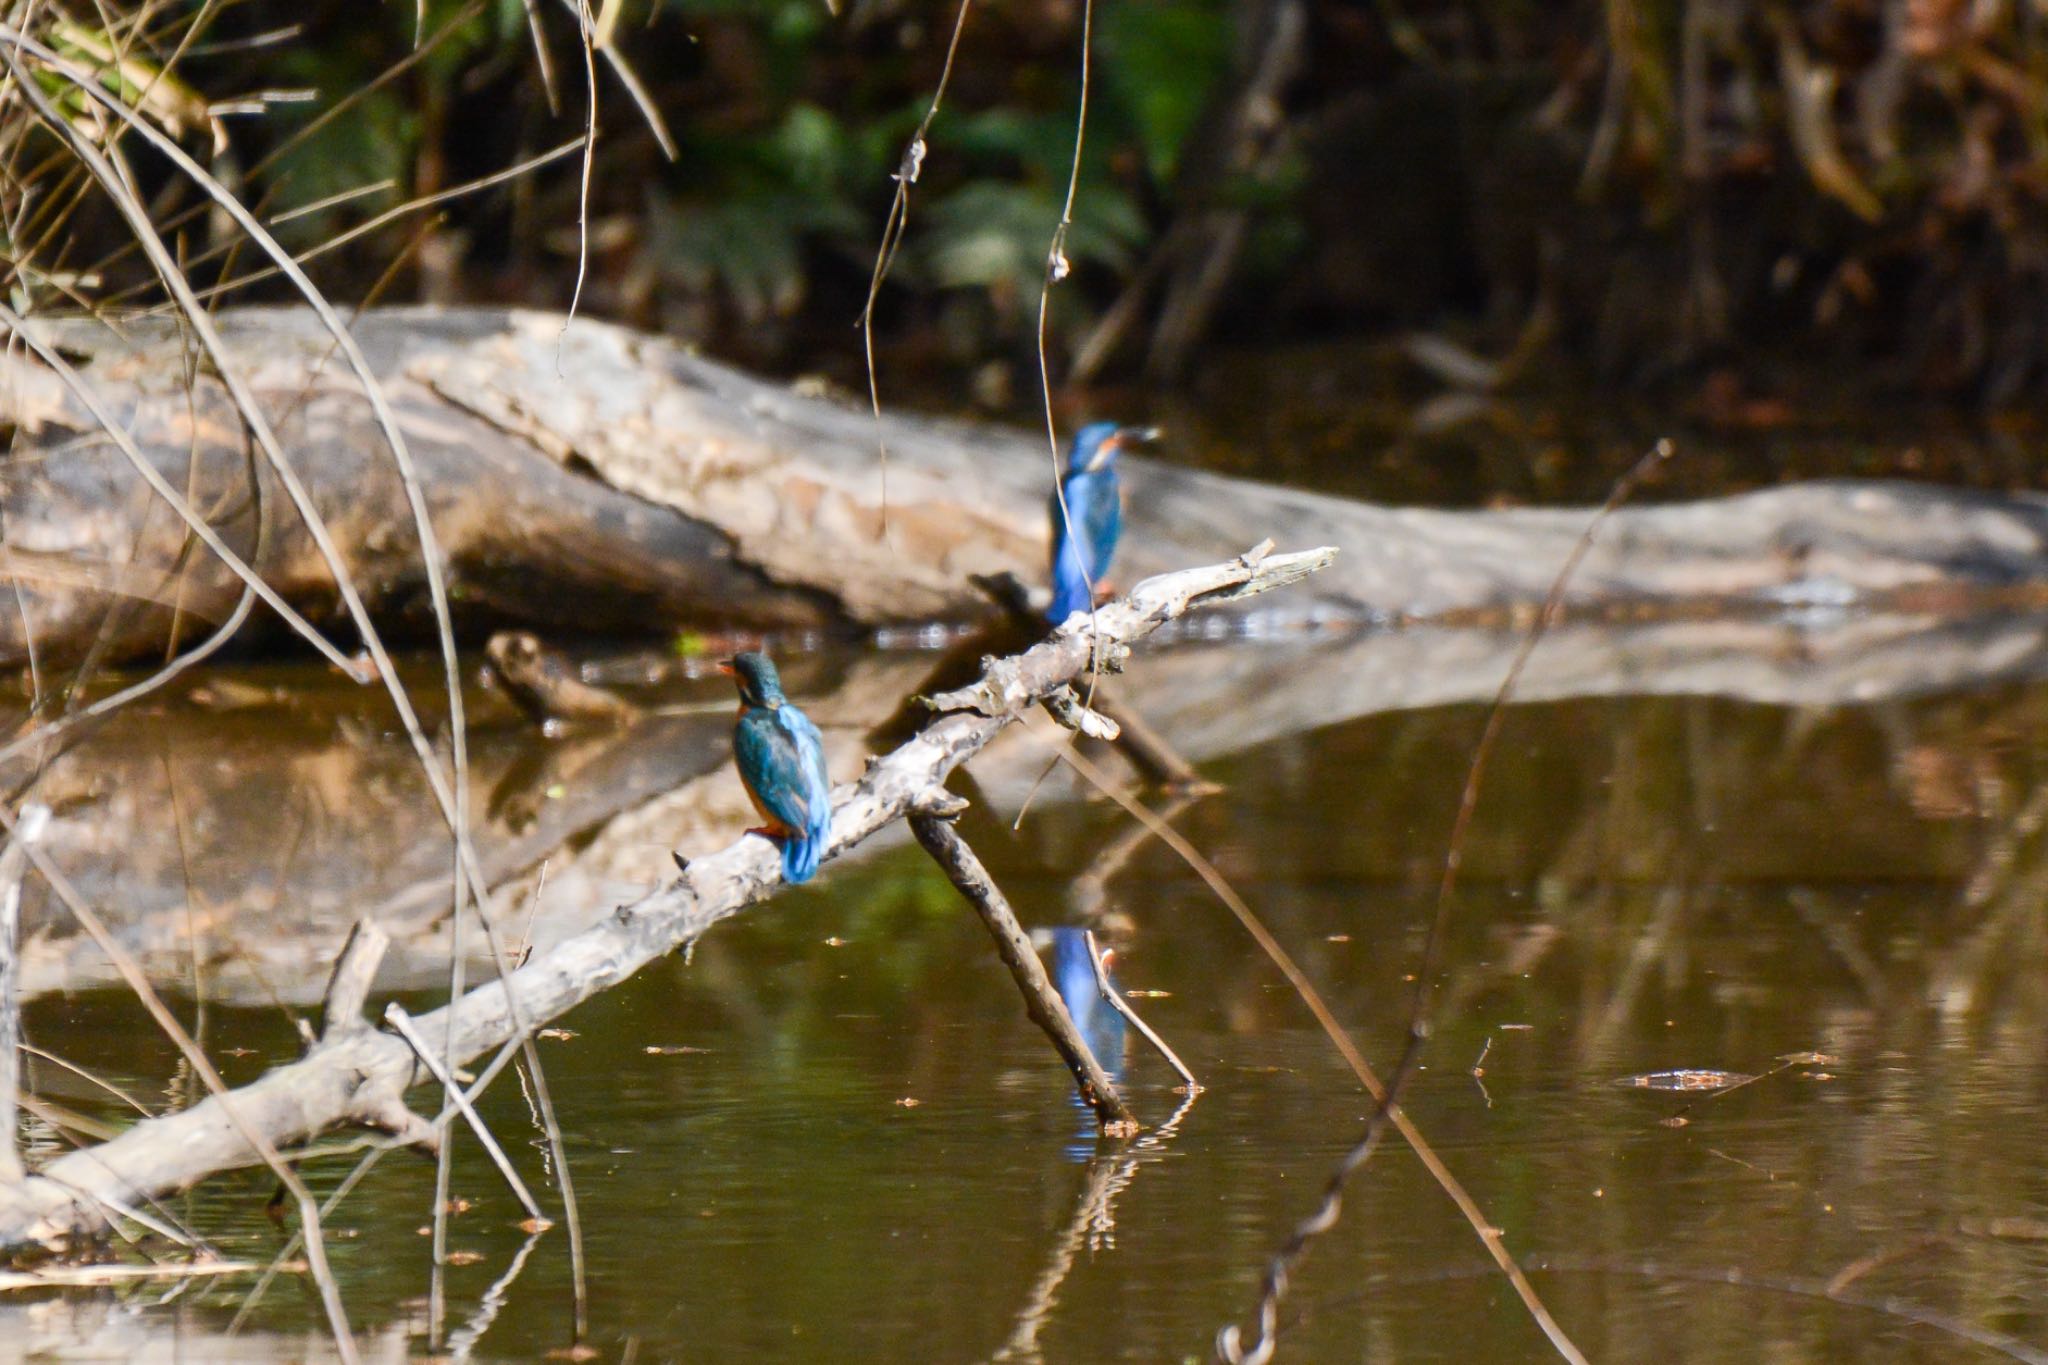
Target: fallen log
{"type": "Point", "coordinates": [357, 1074]}
{"type": "Point", "coordinates": [586, 476]}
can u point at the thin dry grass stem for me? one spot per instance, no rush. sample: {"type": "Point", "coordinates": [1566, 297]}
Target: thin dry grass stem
{"type": "Point", "coordinates": [163, 1223]}
{"type": "Point", "coordinates": [907, 171]}
{"type": "Point", "coordinates": [1489, 1235]}
{"type": "Point", "coordinates": [395, 1015]}
{"type": "Point", "coordinates": [1496, 717]}
{"type": "Point", "coordinates": [420, 52]}
{"type": "Point", "coordinates": [162, 487]}
{"type": "Point", "coordinates": [270, 38]}
{"type": "Point", "coordinates": [558, 1153]}
{"type": "Point", "coordinates": [1123, 1007]}
{"type": "Point", "coordinates": [309, 1213]}
{"type": "Point", "coordinates": [541, 59]}
{"type": "Point", "coordinates": [391, 215]}
{"type": "Point", "coordinates": [453, 807]}
{"type": "Point", "coordinates": [64, 1121]}
{"type": "Point", "coordinates": [588, 41]}
{"type": "Point", "coordinates": [85, 1074]}
{"type": "Point", "coordinates": [601, 31]}
{"type": "Point", "coordinates": [28, 627]}
{"type": "Point", "coordinates": [335, 200]}
{"type": "Point", "coordinates": [1057, 268]}
{"type": "Point", "coordinates": [444, 1158]}
{"type": "Point", "coordinates": [264, 435]}
{"type": "Point", "coordinates": [520, 1045]}
{"type": "Point", "coordinates": [1230, 1345]}
{"type": "Point", "coordinates": [291, 1246]}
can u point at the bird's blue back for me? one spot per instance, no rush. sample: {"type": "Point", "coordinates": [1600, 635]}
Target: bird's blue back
{"type": "Point", "coordinates": [782, 757]}
{"type": "Point", "coordinates": [1084, 538]}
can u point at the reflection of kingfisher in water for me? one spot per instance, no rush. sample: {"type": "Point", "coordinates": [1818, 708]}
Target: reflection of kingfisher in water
{"type": "Point", "coordinates": [781, 758]}
{"type": "Point", "coordinates": [1084, 537]}
{"type": "Point", "coordinates": [1074, 977]}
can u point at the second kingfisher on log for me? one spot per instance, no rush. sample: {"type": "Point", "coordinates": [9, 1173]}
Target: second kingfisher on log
{"type": "Point", "coordinates": [1085, 531]}
{"type": "Point", "coordinates": [781, 758]}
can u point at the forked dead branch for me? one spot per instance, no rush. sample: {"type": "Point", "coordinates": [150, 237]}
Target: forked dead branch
{"type": "Point", "coordinates": [356, 1074]}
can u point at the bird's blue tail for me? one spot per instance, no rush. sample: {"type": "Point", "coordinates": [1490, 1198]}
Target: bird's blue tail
{"type": "Point", "coordinates": [1069, 585]}
{"type": "Point", "coordinates": [800, 857]}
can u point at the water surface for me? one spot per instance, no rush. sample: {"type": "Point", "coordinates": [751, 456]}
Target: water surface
{"type": "Point", "coordinates": [829, 1134]}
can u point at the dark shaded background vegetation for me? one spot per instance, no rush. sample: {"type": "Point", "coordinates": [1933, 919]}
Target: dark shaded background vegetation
{"type": "Point", "coordinates": [1722, 199]}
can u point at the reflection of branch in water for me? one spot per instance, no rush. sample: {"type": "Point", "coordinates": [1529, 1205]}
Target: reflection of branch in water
{"type": "Point", "coordinates": [2004, 848]}
{"type": "Point", "coordinates": [1890, 1305]}
{"type": "Point", "coordinates": [1649, 947]}
{"type": "Point", "coordinates": [1956, 977]}
{"type": "Point", "coordinates": [1230, 1345]}
{"type": "Point", "coordinates": [1149, 751]}
{"type": "Point", "coordinates": [348, 1183]}
{"type": "Point", "coordinates": [1842, 941]}
{"type": "Point", "coordinates": [1736, 1277]}
{"type": "Point", "coordinates": [931, 822]}
{"type": "Point", "coordinates": [1093, 1223]}
{"type": "Point", "coordinates": [1088, 893]}
{"type": "Point", "coordinates": [1490, 1235]}
{"type": "Point", "coordinates": [463, 1339]}
{"type": "Point", "coordinates": [1123, 1007]}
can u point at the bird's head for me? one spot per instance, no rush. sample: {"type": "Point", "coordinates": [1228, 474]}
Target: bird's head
{"type": "Point", "coordinates": [755, 674]}
{"type": "Point", "coordinates": [1096, 445]}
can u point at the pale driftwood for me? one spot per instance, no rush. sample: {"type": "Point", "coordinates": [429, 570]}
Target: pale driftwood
{"type": "Point", "coordinates": [932, 822]}
{"type": "Point", "coordinates": [362, 1075]}
{"type": "Point", "coordinates": [584, 475]}
{"type": "Point", "coordinates": [355, 971]}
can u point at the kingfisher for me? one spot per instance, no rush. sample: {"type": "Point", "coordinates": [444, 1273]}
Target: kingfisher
{"type": "Point", "coordinates": [1085, 531]}
{"type": "Point", "coordinates": [781, 758]}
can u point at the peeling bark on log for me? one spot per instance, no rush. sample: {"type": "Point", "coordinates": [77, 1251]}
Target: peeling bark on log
{"type": "Point", "coordinates": [587, 476]}
{"type": "Point", "coordinates": [360, 1075]}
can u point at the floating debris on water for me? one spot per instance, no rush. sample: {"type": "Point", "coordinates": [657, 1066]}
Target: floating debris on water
{"type": "Point", "coordinates": [1686, 1080]}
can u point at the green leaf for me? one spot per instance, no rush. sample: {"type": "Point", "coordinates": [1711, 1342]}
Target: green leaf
{"type": "Point", "coordinates": [988, 233]}
{"type": "Point", "coordinates": [1164, 59]}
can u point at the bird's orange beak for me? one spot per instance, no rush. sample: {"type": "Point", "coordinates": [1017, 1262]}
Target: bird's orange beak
{"type": "Point", "coordinates": [725, 666]}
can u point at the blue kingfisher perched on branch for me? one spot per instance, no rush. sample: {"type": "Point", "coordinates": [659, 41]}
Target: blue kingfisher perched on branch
{"type": "Point", "coordinates": [781, 758]}
{"type": "Point", "coordinates": [1085, 531]}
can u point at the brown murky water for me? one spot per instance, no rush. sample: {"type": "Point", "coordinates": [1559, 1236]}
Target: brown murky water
{"type": "Point", "coordinates": [830, 1134]}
